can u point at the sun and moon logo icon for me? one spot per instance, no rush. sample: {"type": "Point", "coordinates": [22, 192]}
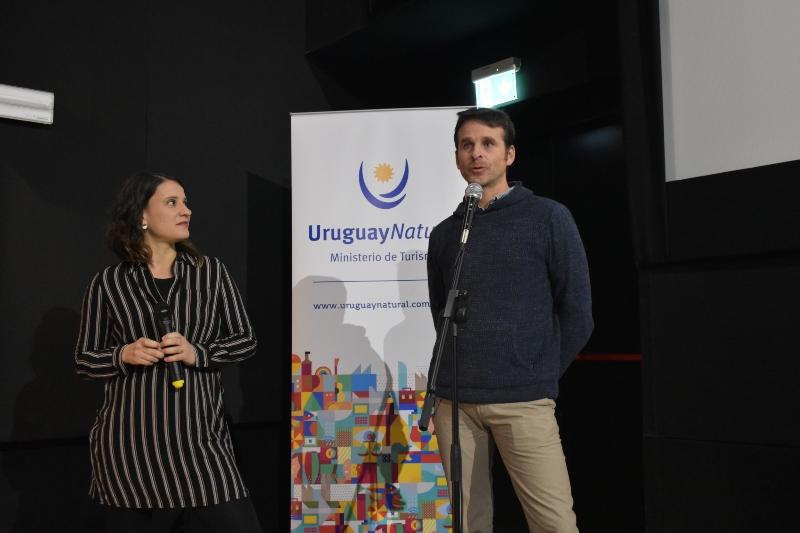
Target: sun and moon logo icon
{"type": "Point", "coordinates": [383, 174]}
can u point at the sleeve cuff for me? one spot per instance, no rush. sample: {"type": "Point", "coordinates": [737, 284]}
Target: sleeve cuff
{"type": "Point", "coordinates": [116, 360]}
{"type": "Point", "coordinates": [203, 358]}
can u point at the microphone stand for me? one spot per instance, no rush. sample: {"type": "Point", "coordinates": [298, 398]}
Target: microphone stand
{"type": "Point", "coordinates": [455, 312]}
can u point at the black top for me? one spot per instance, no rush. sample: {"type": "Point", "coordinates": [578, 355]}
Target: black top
{"type": "Point", "coordinates": [163, 285]}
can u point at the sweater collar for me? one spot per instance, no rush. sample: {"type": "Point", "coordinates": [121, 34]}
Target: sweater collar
{"type": "Point", "coordinates": [499, 197]}
{"type": "Point", "coordinates": [516, 193]}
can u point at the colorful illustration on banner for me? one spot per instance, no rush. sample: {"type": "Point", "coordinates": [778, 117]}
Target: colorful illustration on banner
{"type": "Point", "coordinates": [383, 173]}
{"type": "Point", "coordinates": [359, 460]}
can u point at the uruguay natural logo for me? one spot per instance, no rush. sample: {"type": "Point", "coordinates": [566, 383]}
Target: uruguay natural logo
{"type": "Point", "coordinates": [384, 173]}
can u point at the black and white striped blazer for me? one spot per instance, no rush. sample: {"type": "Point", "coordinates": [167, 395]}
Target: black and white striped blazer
{"type": "Point", "coordinates": [152, 446]}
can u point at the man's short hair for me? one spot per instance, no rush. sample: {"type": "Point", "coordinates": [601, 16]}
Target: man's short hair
{"type": "Point", "coordinates": [494, 118]}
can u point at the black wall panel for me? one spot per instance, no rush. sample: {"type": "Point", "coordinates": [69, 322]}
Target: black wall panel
{"type": "Point", "coordinates": [44, 487]}
{"type": "Point", "coordinates": [265, 389]}
{"type": "Point", "coordinates": [200, 91]}
{"type": "Point", "coordinates": [743, 212]}
{"type": "Point", "coordinates": [720, 346]}
{"type": "Point", "coordinates": [718, 258]}
{"type": "Point", "coordinates": [261, 450]}
{"type": "Point", "coordinates": [56, 184]}
{"type": "Point", "coordinates": [591, 182]}
{"type": "Point", "coordinates": [713, 487]}
{"type": "Point", "coordinates": [720, 382]}
{"type": "Point", "coordinates": [599, 413]}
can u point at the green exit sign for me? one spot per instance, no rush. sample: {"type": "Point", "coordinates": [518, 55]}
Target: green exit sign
{"type": "Point", "coordinates": [496, 84]}
{"type": "Point", "coordinates": [496, 90]}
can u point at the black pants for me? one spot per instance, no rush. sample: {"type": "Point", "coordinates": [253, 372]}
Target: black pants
{"type": "Point", "coordinates": [235, 516]}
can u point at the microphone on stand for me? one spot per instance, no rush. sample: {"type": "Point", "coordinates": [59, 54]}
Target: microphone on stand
{"type": "Point", "coordinates": [165, 325]}
{"type": "Point", "coordinates": [472, 195]}
{"type": "Point", "coordinates": [455, 299]}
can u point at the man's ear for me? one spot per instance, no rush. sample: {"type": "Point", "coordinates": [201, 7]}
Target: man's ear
{"type": "Point", "coordinates": [511, 154]}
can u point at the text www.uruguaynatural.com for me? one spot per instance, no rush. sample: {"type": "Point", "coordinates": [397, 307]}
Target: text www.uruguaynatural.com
{"type": "Point", "coordinates": [370, 306]}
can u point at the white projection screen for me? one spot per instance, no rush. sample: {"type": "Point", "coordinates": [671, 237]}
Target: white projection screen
{"type": "Point", "coordinates": [731, 84]}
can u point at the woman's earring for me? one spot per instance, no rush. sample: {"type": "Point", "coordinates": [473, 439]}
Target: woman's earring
{"type": "Point", "coordinates": [144, 226]}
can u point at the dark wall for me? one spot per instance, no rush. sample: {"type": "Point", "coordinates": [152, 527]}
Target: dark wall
{"type": "Point", "coordinates": [55, 186]}
{"type": "Point", "coordinates": [204, 92]}
{"type": "Point", "coordinates": [199, 90]}
{"type": "Point", "coordinates": [718, 268]}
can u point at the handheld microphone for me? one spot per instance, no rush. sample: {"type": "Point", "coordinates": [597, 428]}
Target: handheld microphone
{"type": "Point", "coordinates": [165, 325]}
{"type": "Point", "coordinates": [472, 195]}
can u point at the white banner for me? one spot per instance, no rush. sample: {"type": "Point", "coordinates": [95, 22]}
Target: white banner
{"type": "Point", "coordinates": [367, 189]}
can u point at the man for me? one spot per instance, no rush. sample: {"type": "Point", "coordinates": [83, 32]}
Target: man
{"type": "Point", "coordinates": [529, 313]}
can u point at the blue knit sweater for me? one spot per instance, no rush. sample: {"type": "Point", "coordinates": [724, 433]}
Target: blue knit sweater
{"type": "Point", "coordinates": [529, 310]}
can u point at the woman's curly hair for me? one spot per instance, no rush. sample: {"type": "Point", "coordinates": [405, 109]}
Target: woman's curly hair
{"type": "Point", "coordinates": [124, 234]}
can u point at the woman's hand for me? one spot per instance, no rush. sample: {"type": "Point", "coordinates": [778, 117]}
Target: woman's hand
{"type": "Point", "coordinates": [144, 351]}
{"type": "Point", "coordinates": [177, 348]}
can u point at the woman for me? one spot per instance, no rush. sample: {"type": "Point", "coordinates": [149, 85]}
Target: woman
{"type": "Point", "coordinates": [160, 455]}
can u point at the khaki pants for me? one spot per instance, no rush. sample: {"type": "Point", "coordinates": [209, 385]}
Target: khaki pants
{"type": "Point", "coordinates": [526, 435]}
